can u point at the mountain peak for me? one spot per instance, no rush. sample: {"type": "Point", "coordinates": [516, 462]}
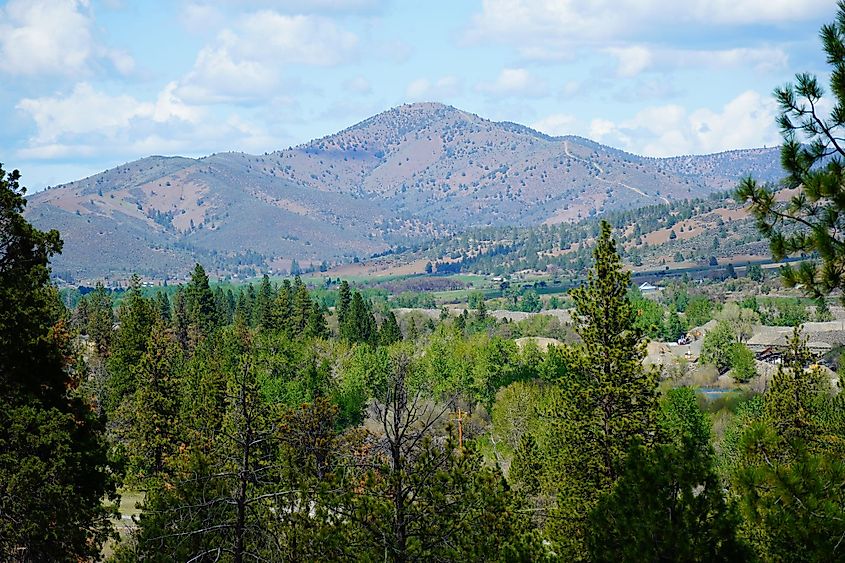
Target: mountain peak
{"type": "Point", "coordinates": [415, 171]}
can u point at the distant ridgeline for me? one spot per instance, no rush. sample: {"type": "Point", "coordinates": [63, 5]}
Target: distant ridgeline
{"type": "Point", "coordinates": [677, 234]}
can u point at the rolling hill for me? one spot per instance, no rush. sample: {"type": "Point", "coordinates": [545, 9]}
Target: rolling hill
{"type": "Point", "coordinates": [415, 172]}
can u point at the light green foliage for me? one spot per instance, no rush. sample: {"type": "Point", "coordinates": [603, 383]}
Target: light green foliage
{"type": "Point", "coordinates": [717, 347]}
{"type": "Point", "coordinates": [741, 319]}
{"type": "Point", "coordinates": [649, 315]}
{"type": "Point", "coordinates": [743, 366]}
{"type": "Point", "coordinates": [699, 310]}
{"type": "Point", "coordinates": [823, 313]}
{"type": "Point", "coordinates": [530, 302]}
{"type": "Point", "coordinates": [674, 328]}
{"type": "Point", "coordinates": [783, 311]}
{"type": "Point", "coordinates": [517, 412]}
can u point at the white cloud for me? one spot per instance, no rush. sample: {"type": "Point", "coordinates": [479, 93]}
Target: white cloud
{"type": "Point", "coordinates": [553, 29]}
{"type": "Point", "coordinates": [245, 61]}
{"type": "Point", "coordinates": [632, 60]}
{"type": "Point", "coordinates": [75, 125]}
{"type": "Point", "coordinates": [514, 82]}
{"type": "Point", "coordinates": [556, 124]}
{"type": "Point", "coordinates": [200, 17]}
{"type": "Point", "coordinates": [423, 89]}
{"type": "Point", "coordinates": [635, 59]}
{"type": "Point", "coordinates": [669, 130]}
{"type": "Point", "coordinates": [52, 37]}
{"type": "Point", "coordinates": [311, 6]}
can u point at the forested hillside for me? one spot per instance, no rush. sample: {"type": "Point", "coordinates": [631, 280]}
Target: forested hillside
{"type": "Point", "coordinates": [676, 235]}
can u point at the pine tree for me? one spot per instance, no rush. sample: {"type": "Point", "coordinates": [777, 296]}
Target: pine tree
{"type": "Point", "coordinates": [301, 307]}
{"type": "Point", "coordinates": [389, 332]}
{"type": "Point", "coordinates": [152, 415]}
{"type": "Point", "coordinates": [264, 304]}
{"type": "Point", "coordinates": [136, 316]}
{"type": "Point", "coordinates": [359, 325]}
{"type": "Point", "coordinates": [100, 319]}
{"type": "Point", "coordinates": [787, 470]}
{"type": "Point", "coordinates": [199, 301]}
{"type": "Point", "coordinates": [669, 504]}
{"type": "Point", "coordinates": [283, 308]}
{"type": "Point", "coordinates": [344, 300]}
{"type": "Point", "coordinates": [54, 467]}
{"type": "Point", "coordinates": [607, 402]}
{"type": "Point", "coordinates": [221, 307]}
{"type": "Point", "coordinates": [180, 317]}
{"type": "Point", "coordinates": [316, 327]}
{"type": "Point", "coordinates": [812, 155]}
{"type": "Point", "coordinates": [163, 307]}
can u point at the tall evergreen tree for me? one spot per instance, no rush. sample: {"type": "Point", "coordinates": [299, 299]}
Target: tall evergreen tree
{"type": "Point", "coordinates": [344, 300]}
{"type": "Point", "coordinates": [264, 303]}
{"type": "Point", "coordinates": [100, 319]}
{"type": "Point", "coordinates": [607, 400]}
{"type": "Point", "coordinates": [136, 316]}
{"type": "Point", "coordinates": [54, 470]}
{"type": "Point", "coordinates": [163, 307]}
{"type": "Point", "coordinates": [151, 417]}
{"type": "Point", "coordinates": [389, 331]}
{"type": "Point", "coordinates": [199, 300]}
{"type": "Point", "coordinates": [789, 472]}
{"type": "Point", "coordinates": [668, 504]}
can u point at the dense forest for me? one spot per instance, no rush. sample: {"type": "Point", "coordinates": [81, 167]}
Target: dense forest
{"type": "Point", "coordinates": [258, 424]}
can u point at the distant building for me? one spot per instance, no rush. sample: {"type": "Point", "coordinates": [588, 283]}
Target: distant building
{"type": "Point", "coordinates": [646, 288]}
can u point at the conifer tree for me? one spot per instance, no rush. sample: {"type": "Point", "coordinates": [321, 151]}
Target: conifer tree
{"type": "Point", "coordinates": [344, 300]}
{"type": "Point", "coordinates": [163, 307]}
{"type": "Point", "coordinates": [389, 331]}
{"type": "Point", "coordinates": [359, 325]}
{"type": "Point", "coordinates": [54, 468]}
{"type": "Point", "coordinates": [283, 308]}
{"type": "Point", "coordinates": [316, 327]}
{"type": "Point", "coordinates": [136, 316]}
{"type": "Point", "coordinates": [789, 471]}
{"type": "Point", "coordinates": [607, 401]}
{"type": "Point", "coordinates": [152, 415]}
{"type": "Point", "coordinates": [301, 307]}
{"type": "Point", "coordinates": [812, 155]}
{"type": "Point", "coordinates": [668, 504]}
{"type": "Point", "coordinates": [180, 317]}
{"type": "Point", "coordinates": [264, 303]}
{"type": "Point", "coordinates": [199, 301]}
{"type": "Point", "coordinates": [100, 319]}
{"type": "Point", "coordinates": [221, 307]}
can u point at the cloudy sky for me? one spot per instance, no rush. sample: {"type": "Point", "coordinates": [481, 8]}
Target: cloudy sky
{"type": "Point", "coordinates": [89, 84]}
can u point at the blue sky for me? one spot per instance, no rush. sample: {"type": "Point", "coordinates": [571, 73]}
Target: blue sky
{"type": "Point", "coordinates": [86, 85]}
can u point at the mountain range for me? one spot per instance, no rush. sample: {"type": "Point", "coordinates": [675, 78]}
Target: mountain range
{"type": "Point", "coordinates": [415, 172]}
